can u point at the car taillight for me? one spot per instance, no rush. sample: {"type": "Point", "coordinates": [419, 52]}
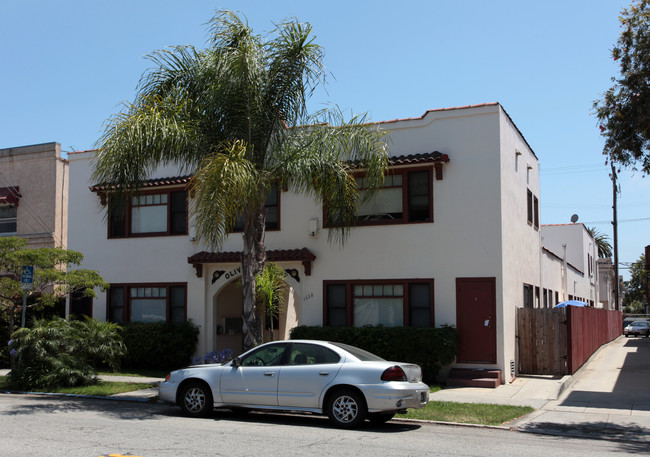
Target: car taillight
{"type": "Point", "coordinates": [394, 373]}
{"type": "Point", "coordinates": [168, 376]}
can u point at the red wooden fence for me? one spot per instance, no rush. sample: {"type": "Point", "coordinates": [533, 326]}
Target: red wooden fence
{"type": "Point", "coordinates": [559, 341]}
{"type": "Point", "coordinates": [587, 330]}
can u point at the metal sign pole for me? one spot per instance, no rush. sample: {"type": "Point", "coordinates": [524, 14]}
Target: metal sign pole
{"type": "Point", "coordinates": [26, 282]}
{"type": "Point", "coordinates": [22, 323]}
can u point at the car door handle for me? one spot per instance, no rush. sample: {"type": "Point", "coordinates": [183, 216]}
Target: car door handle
{"type": "Point", "coordinates": [269, 373]}
{"type": "Point", "coordinates": [324, 373]}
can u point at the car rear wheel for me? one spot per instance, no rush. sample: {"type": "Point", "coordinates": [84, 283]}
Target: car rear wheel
{"type": "Point", "coordinates": [346, 408]}
{"type": "Point", "coordinates": [196, 400]}
{"type": "Point", "coordinates": [380, 418]}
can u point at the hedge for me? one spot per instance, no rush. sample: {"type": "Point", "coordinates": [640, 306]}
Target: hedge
{"type": "Point", "coordinates": [160, 345]}
{"type": "Point", "coordinates": [431, 348]}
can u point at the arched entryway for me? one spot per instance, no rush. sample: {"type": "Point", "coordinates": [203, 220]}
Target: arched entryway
{"type": "Point", "coordinates": [227, 307]}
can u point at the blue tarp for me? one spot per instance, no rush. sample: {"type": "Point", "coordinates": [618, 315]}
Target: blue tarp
{"type": "Point", "coordinates": [570, 303]}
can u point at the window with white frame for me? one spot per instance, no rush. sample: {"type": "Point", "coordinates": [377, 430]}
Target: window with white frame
{"type": "Point", "coordinates": [8, 219]}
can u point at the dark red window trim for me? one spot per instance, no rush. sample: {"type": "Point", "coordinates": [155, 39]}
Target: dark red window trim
{"type": "Point", "coordinates": [279, 206]}
{"type": "Point", "coordinates": [349, 297]}
{"type": "Point", "coordinates": [10, 195]}
{"type": "Point", "coordinates": [126, 299]}
{"type": "Point", "coordinates": [404, 171]}
{"type": "Point", "coordinates": [128, 211]}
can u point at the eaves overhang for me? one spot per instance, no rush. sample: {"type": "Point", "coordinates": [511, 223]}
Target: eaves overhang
{"type": "Point", "coordinates": [303, 255]}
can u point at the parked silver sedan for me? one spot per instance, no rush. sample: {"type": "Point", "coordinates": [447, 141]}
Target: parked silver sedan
{"type": "Point", "coordinates": [637, 328]}
{"type": "Point", "coordinates": [343, 382]}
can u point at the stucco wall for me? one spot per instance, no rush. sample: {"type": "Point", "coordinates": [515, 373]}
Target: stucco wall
{"type": "Point", "coordinates": [42, 176]}
{"type": "Point", "coordinates": [479, 229]}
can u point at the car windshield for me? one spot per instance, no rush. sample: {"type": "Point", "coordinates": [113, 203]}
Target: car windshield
{"type": "Point", "coordinates": [639, 324]}
{"type": "Point", "coordinates": [360, 354]}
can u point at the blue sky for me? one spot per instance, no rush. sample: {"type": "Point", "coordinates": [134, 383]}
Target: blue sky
{"type": "Point", "coordinates": [66, 66]}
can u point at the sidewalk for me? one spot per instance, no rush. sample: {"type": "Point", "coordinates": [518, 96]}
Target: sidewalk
{"type": "Point", "coordinates": [608, 398]}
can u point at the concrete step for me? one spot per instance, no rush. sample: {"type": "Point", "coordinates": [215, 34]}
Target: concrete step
{"type": "Point", "coordinates": [472, 377]}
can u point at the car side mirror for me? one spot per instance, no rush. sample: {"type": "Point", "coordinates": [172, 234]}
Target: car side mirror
{"type": "Point", "coordinates": [236, 362]}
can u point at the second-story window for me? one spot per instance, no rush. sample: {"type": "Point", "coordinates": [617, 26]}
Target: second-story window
{"type": "Point", "coordinates": [272, 205]}
{"type": "Point", "coordinates": [404, 197]}
{"type": "Point", "coordinates": [8, 219]}
{"type": "Point", "coordinates": [532, 203]}
{"type": "Point", "coordinates": [148, 214]}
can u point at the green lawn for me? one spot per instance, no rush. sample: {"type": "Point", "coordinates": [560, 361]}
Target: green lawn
{"type": "Point", "coordinates": [101, 389]}
{"type": "Point", "coordinates": [137, 373]}
{"type": "Point", "coordinates": [467, 413]}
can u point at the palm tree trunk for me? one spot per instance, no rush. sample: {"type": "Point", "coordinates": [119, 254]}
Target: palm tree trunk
{"type": "Point", "coordinates": [253, 258]}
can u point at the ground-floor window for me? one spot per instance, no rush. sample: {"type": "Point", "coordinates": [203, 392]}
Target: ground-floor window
{"type": "Point", "coordinates": [147, 303]}
{"type": "Point", "coordinates": [81, 305]}
{"type": "Point", "coordinates": [391, 303]}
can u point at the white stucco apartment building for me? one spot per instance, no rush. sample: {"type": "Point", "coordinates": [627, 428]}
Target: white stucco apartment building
{"type": "Point", "coordinates": [574, 250]}
{"type": "Point", "coordinates": [453, 239]}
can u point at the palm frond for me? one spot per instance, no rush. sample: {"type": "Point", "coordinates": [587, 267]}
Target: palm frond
{"type": "Point", "coordinates": [224, 187]}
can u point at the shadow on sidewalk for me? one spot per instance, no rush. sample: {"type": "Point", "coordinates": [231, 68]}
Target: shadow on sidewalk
{"type": "Point", "coordinates": [632, 438]}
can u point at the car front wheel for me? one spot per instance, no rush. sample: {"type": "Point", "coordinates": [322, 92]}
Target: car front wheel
{"type": "Point", "coordinates": [196, 400]}
{"type": "Point", "coordinates": [346, 409]}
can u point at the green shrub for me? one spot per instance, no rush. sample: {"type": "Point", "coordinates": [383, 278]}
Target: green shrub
{"type": "Point", "coordinates": [5, 359]}
{"type": "Point", "coordinates": [160, 345]}
{"type": "Point", "coordinates": [63, 353]}
{"type": "Point", "coordinates": [431, 348]}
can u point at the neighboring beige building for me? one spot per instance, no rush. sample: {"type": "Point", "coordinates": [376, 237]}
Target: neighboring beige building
{"type": "Point", "coordinates": [34, 194]}
{"type": "Point", "coordinates": [607, 283]}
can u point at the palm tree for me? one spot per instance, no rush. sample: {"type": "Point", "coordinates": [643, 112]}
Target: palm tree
{"type": "Point", "coordinates": [602, 242]}
{"type": "Point", "coordinates": [235, 116]}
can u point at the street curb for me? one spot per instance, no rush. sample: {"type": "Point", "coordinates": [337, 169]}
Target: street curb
{"type": "Point", "coordinates": [453, 424]}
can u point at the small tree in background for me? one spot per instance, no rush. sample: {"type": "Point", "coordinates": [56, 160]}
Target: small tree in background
{"type": "Point", "coordinates": [624, 110]}
{"type": "Point", "coordinates": [53, 279]}
{"type": "Point", "coordinates": [636, 289]}
{"type": "Point", "coordinates": [271, 291]}
{"type": "Point", "coordinates": [53, 276]}
{"type": "Point", "coordinates": [602, 243]}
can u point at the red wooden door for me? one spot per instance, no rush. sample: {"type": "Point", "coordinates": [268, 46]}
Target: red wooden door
{"type": "Point", "coordinates": [476, 319]}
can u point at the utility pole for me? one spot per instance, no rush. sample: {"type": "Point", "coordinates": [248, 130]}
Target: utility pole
{"type": "Point", "coordinates": [615, 224]}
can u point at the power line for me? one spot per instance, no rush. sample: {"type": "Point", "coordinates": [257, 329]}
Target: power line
{"type": "Point", "coordinates": [620, 220]}
{"type": "Point", "coordinates": [5, 182]}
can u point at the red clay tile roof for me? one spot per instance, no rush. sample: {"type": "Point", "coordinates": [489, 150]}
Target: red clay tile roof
{"type": "Point", "coordinates": [280, 255]}
{"type": "Point", "coordinates": [410, 159]}
{"type": "Point", "coordinates": [419, 158]}
{"type": "Point", "coordinates": [156, 182]}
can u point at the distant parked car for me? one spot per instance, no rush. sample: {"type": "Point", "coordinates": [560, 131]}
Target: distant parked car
{"type": "Point", "coordinates": [343, 382]}
{"type": "Point", "coordinates": [637, 328]}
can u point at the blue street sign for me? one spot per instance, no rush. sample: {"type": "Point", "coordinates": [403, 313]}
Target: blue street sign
{"type": "Point", "coordinates": [27, 278]}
